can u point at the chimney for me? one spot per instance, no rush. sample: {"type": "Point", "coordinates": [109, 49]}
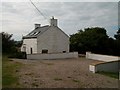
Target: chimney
{"type": "Point", "coordinates": [37, 25]}
{"type": "Point", "coordinates": [53, 22]}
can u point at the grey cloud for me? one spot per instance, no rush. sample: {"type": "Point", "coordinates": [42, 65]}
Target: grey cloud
{"type": "Point", "coordinates": [20, 17]}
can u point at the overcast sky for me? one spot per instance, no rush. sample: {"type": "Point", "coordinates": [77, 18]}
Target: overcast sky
{"type": "Point", "coordinates": [18, 18]}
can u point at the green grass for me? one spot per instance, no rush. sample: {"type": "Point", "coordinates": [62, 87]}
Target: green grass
{"type": "Point", "coordinates": [9, 77]}
{"type": "Point", "coordinates": [110, 74]}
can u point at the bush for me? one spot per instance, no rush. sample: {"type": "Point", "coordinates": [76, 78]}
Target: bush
{"type": "Point", "coordinates": [20, 55]}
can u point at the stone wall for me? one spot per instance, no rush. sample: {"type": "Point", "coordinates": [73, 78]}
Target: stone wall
{"type": "Point", "coordinates": [106, 67]}
{"type": "Point", "coordinates": [108, 64]}
{"type": "Point", "coordinates": [105, 58]}
{"type": "Point", "coordinates": [53, 56]}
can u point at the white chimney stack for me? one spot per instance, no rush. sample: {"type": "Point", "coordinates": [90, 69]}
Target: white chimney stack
{"type": "Point", "coordinates": [37, 25]}
{"type": "Point", "coordinates": [53, 22]}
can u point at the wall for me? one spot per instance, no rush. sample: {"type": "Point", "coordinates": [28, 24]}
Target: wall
{"type": "Point", "coordinates": [105, 58]}
{"type": "Point", "coordinates": [106, 66]}
{"type": "Point", "coordinates": [54, 40]}
{"type": "Point", "coordinates": [30, 43]}
{"type": "Point", "coordinates": [53, 56]}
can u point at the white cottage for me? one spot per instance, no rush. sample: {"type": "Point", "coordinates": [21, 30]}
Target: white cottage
{"type": "Point", "coordinates": [46, 39]}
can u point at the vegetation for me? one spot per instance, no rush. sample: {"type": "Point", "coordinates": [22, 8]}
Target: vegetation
{"type": "Point", "coordinates": [110, 74]}
{"type": "Point", "coordinates": [9, 69]}
{"type": "Point", "coordinates": [96, 40]}
{"type": "Point", "coordinates": [93, 39]}
{"type": "Point", "coordinates": [10, 47]}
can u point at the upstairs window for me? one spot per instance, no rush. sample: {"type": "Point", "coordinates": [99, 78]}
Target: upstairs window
{"type": "Point", "coordinates": [35, 33]}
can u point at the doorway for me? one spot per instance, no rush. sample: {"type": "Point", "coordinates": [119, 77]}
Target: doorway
{"type": "Point", "coordinates": [31, 51]}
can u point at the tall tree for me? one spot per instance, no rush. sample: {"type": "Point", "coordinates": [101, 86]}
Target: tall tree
{"type": "Point", "coordinates": [90, 39]}
{"type": "Point", "coordinates": [117, 36]}
{"type": "Point", "coordinates": [117, 42]}
{"type": "Point", "coordinates": [8, 45]}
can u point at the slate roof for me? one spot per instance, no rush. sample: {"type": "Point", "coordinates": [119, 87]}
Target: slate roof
{"type": "Point", "coordinates": [36, 32]}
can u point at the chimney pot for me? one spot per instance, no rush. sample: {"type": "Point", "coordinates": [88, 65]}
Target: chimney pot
{"type": "Point", "coordinates": [37, 25]}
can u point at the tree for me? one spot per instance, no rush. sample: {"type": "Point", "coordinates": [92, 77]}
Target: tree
{"type": "Point", "coordinates": [117, 36]}
{"type": "Point", "coordinates": [93, 39]}
{"type": "Point", "coordinates": [8, 45]}
{"type": "Point", "coordinates": [117, 42]}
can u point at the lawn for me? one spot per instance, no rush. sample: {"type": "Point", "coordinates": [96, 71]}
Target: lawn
{"type": "Point", "coordinates": [110, 74]}
{"type": "Point", "coordinates": [9, 78]}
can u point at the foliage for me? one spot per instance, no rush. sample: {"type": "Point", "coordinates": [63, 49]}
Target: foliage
{"type": "Point", "coordinates": [8, 45]}
{"type": "Point", "coordinates": [117, 41]}
{"type": "Point", "coordinates": [9, 78]}
{"type": "Point", "coordinates": [93, 39]}
{"type": "Point", "coordinates": [117, 36]}
{"type": "Point", "coordinates": [11, 47]}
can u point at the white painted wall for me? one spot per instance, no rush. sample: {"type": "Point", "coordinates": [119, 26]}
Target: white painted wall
{"type": "Point", "coordinates": [92, 68]}
{"type": "Point", "coordinates": [30, 43]}
{"type": "Point", "coordinates": [54, 40]}
{"type": "Point", "coordinates": [100, 57]}
{"type": "Point", "coordinates": [52, 56]}
{"type": "Point", "coordinates": [107, 67]}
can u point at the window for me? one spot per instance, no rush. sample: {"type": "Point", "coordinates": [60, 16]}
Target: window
{"type": "Point", "coordinates": [44, 51]}
{"type": "Point", "coordinates": [37, 33]}
{"type": "Point", "coordinates": [64, 51]}
{"type": "Point", "coordinates": [32, 33]}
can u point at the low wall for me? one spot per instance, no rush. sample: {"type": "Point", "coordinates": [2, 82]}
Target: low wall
{"type": "Point", "coordinates": [106, 66]}
{"type": "Point", "coordinates": [105, 58]}
{"type": "Point", "coordinates": [53, 56]}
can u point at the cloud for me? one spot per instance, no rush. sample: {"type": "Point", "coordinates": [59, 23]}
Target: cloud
{"type": "Point", "coordinates": [62, 0]}
{"type": "Point", "coordinates": [19, 18]}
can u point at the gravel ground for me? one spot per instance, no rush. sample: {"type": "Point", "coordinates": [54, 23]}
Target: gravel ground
{"type": "Point", "coordinates": [67, 73]}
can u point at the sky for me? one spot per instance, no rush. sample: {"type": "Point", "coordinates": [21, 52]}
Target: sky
{"type": "Point", "coordinates": [18, 17]}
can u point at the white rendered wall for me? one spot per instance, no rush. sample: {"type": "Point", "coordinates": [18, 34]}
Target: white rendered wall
{"type": "Point", "coordinates": [54, 40]}
{"type": "Point", "coordinates": [30, 43]}
{"type": "Point", "coordinates": [52, 56]}
{"type": "Point", "coordinates": [105, 58]}
{"type": "Point", "coordinates": [106, 67]}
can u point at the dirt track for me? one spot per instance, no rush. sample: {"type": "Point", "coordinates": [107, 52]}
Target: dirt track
{"type": "Point", "coordinates": [67, 73]}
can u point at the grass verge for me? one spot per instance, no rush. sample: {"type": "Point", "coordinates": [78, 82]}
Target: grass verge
{"type": "Point", "coordinates": [110, 74]}
{"type": "Point", "coordinates": [9, 77]}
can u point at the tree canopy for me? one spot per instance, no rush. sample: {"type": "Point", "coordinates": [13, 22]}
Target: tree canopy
{"type": "Point", "coordinates": [117, 36]}
{"type": "Point", "coordinates": [93, 39]}
{"type": "Point", "coordinates": [8, 45]}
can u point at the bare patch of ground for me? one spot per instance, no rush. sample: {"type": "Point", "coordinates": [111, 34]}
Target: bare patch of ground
{"type": "Point", "coordinates": [65, 73]}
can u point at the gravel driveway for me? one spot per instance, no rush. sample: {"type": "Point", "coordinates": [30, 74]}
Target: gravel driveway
{"type": "Point", "coordinates": [67, 73]}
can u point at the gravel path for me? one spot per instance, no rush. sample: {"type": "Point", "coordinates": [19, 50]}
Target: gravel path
{"type": "Point", "coordinates": [67, 73]}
